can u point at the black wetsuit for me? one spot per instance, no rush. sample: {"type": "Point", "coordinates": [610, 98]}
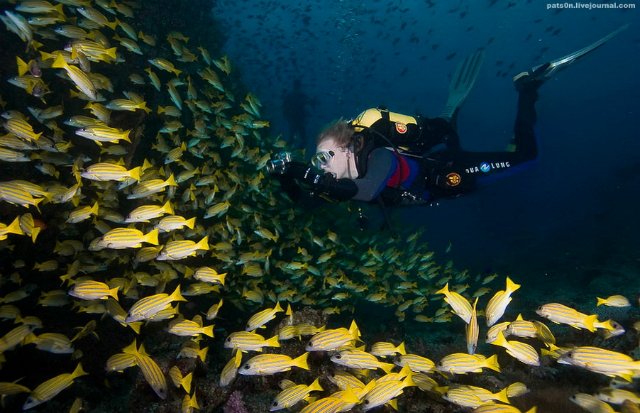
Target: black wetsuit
{"type": "Point", "coordinates": [406, 179]}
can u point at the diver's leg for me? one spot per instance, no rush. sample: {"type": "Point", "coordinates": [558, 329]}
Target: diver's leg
{"type": "Point", "coordinates": [436, 131]}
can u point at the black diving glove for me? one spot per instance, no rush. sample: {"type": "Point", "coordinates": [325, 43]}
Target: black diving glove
{"type": "Point", "coordinates": [322, 184]}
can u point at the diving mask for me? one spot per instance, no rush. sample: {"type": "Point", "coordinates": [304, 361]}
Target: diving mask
{"type": "Point", "coordinates": [320, 159]}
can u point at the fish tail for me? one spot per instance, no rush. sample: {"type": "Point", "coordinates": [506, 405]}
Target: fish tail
{"type": "Point", "coordinates": [444, 290]}
{"type": "Point", "coordinates": [78, 372]}
{"type": "Point", "coordinates": [34, 234]}
{"type": "Point", "coordinates": [135, 173]}
{"type": "Point", "coordinates": [171, 181]}
{"type": "Point", "coordinates": [203, 244]}
{"type": "Point", "coordinates": [502, 395]}
{"type": "Point", "coordinates": [113, 292]}
{"type": "Point", "coordinates": [589, 322]}
{"type": "Point", "coordinates": [273, 341]}
{"type": "Point", "coordinates": [315, 386]}
{"type": "Point", "coordinates": [601, 301]}
{"type": "Point", "coordinates": [176, 296]}
{"type": "Point", "coordinates": [59, 62]}
{"type": "Point", "coordinates": [208, 331]}
{"type": "Point", "coordinates": [191, 222]}
{"type": "Point", "coordinates": [135, 326]}
{"type": "Point", "coordinates": [167, 207]}
{"type": "Point", "coordinates": [492, 363]}
{"type": "Point", "coordinates": [14, 227]}
{"type": "Point", "coordinates": [277, 308]}
{"type": "Point", "coordinates": [152, 237]}
{"type": "Point", "coordinates": [301, 361]}
{"type": "Point", "coordinates": [387, 367]}
{"type": "Point", "coordinates": [112, 52]}
{"type": "Point", "coordinates": [202, 354]}
{"type": "Point", "coordinates": [534, 409]}
{"type": "Point", "coordinates": [500, 340]}
{"type": "Point", "coordinates": [400, 349]}
{"type": "Point", "coordinates": [23, 67]}
{"type": "Point", "coordinates": [186, 382]}
{"type": "Point", "coordinates": [94, 208]}
{"type": "Point", "coordinates": [511, 286]}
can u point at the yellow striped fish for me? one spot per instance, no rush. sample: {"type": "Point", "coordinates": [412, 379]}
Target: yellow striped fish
{"type": "Point", "coordinates": [591, 403]}
{"type": "Point", "coordinates": [152, 373]}
{"type": "Point", "coordinates": [22, 129]}
{"type": "Point", "coordinates": [174, 222]}
{"type": "Point", "coordinates": [266, 364]}
{"type": "Point", "coordinates": [385, 349]}
{"type": "Point", "coordinates": [82, 213]}
{"type": "Point", "coordinates": [462, 363]}
{"type": "Point", "coordinates": [179, 380]}
{"type": "Point", "coordinates": [613, 301]}
{"type": "Point", "coordinates": [190, 328]}
{"type": "Point", "coordinates": [14, 337]}
{"type": "Point", "coordinates": [105, 171]}
{"type": "Point", "coordinates": [561, 314]}
{"type": "Point", "coordinates": [150, 187]}
{"type": "Point", "coordinates": [416, 363]}
{"type": "Point", "coordinates": [293, 394]}
{"type": "Point", "coordinates": [263, 317]}
{"type": "Point", "coordinates": [249, 341]}
{"type": "Point", "coordinates": [384, 392]}
{"type": "Point", "coordinates": [50, 388]}
{"type": "Point", "coordinates": [77, 76]}
{"type": "Point", "coordinates": [499, 302]}
{"type": "Point", "coordinates": [599, 360]}
{"type": "Point", "coordinates": [358, 359]}
{"type": "Point", "coordinates": [15, 193]}
{"type": "Point", "coordinates": [93, 290]}
{"type": "Point", "coordinates": [121, 238]}
{"type": "Point", "coordinates": [521, 328]}
{"type": "Point", "coordinates": [144, 213]}
{"type": "Point", "coordinates": [175, 250]}
{"type": "Point", "coordinates": [230, 370]}
{"type": "Point", "coordinates": [521, 351]}
{"type": "Point", "coordinates": [460, 305]}
{"type": "Point", "coordinates": [332, 339]}
{"type": "Point", "coordinates": [473, 330]}
{"type": "Point", "coordinates": [340, 401]}
{"type": "Point", "coordinates": [500, 408]}
{"type": "Point", "coordinates": [120, 361]}
{"type": "Point", "coordinates": [147, 307]}
{"type": "Point", "coordinates": [209, 275]}
{"type": "Point", "coordinates": [103, 133]}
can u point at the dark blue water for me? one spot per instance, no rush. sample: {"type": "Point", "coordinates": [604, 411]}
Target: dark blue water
{"type": "Point", "coordinates": [569, 217]}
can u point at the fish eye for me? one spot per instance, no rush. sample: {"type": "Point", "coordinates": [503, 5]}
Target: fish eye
{"type": "Point", "coordinates": [228, 338]}
{"type": "Point", "coordinates": [246, 367]}
{"type": "Point", "coordinates": [338, 356]}
{"type": "Point", "coordinates": [275, 404]}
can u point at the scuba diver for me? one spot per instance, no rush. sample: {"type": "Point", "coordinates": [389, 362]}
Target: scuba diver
{"type": "Point", "coordinates": [294, 110]}
{"type": "Point", "coordinates": [404, 160]}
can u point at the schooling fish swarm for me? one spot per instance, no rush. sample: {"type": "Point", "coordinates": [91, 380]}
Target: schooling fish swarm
{"type": "Point", "coordinates": [132, 182]}
{"type": "Point", "coordinates": [354, 381]}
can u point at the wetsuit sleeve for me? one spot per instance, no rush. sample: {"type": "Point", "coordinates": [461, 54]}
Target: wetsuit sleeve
{"type": "Point", "coordinates": [320, 184]}
{"type": "Point", "coordinates": [380, 166]}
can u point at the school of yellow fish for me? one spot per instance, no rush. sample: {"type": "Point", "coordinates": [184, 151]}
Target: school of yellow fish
{"type": "Point", "coordinates": [353, 362]}
{"type": "Point", "coordinates": [135, 174]}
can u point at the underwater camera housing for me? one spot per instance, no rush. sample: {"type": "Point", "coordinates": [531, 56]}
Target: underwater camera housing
{"type": "Point", "coordinates": [278, 163]}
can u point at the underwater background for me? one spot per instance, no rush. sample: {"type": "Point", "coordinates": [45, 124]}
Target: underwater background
{"type": "Point", "coordinates": [210, 110]}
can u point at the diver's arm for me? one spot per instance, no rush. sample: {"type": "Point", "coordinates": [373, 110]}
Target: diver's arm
{"type": "Point", "coordinates": [321, 184]}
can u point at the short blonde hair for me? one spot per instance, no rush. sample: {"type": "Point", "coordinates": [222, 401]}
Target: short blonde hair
{"type": "Point", "coordinates": [340, 131]}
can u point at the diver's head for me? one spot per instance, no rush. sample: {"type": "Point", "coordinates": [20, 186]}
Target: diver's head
{"type": "Point", "coordinates": [334, 152]}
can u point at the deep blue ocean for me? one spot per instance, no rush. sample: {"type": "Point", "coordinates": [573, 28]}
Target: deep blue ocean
{"type": "Point", "coordinates": [573, 213]}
